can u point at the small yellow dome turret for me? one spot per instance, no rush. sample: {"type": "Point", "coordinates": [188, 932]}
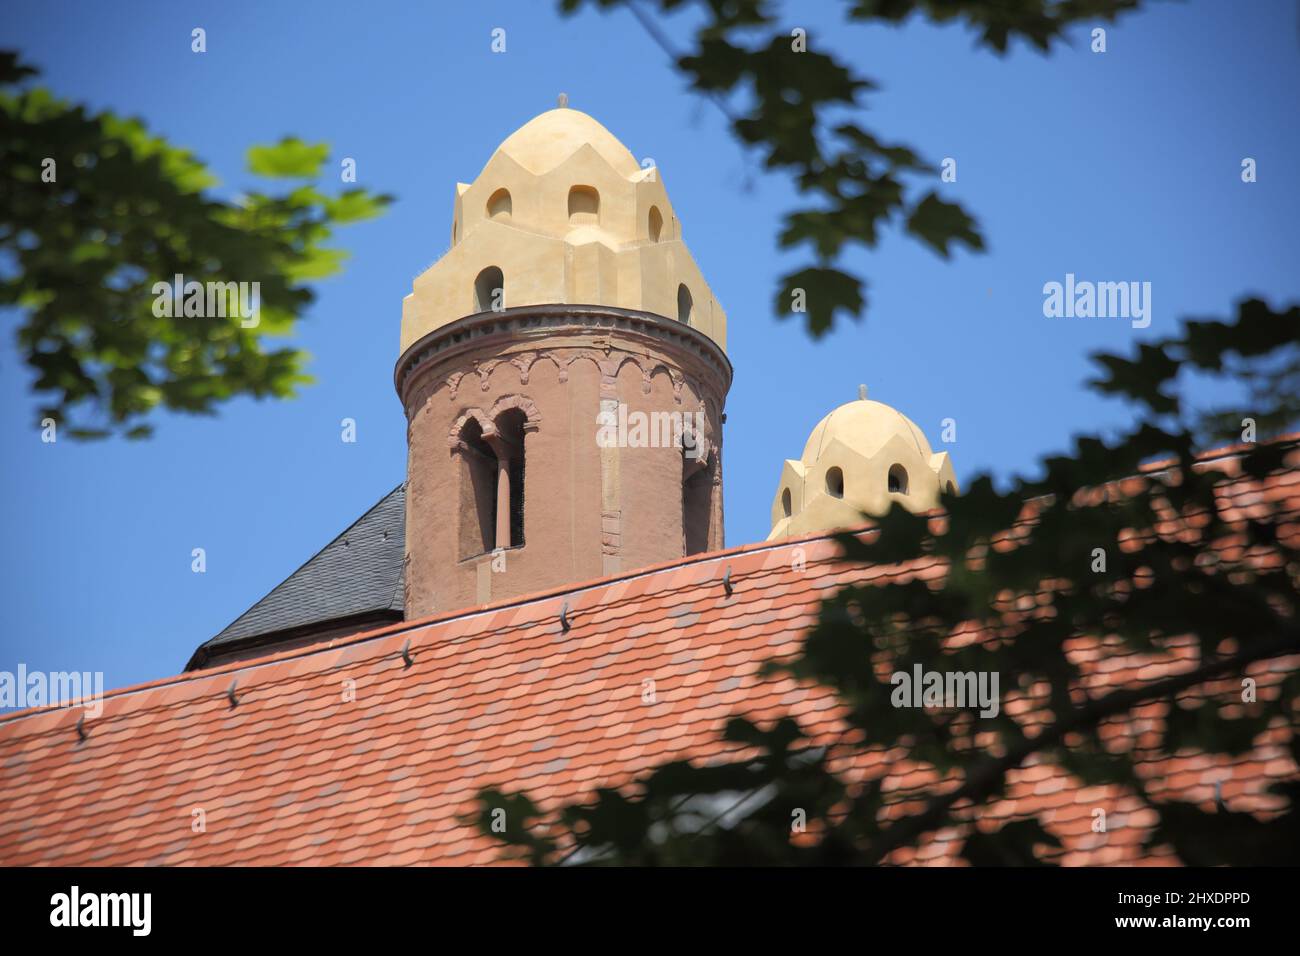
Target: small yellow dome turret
{"type": "Point", "coordinates": [860, 459]}
{"type": "Point", "coordinates": [563, 214]}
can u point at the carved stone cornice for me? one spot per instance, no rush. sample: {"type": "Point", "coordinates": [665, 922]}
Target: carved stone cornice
{"type": "Point", "coordinates": [543, 329]}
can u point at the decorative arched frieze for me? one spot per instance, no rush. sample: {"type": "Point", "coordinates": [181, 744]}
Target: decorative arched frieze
{"type": "Point", "coordinates": [615, 363]}
{"type": "Point", "coordinates": [453, 380]}
{"type": "Point", "coordinates": [536, 358]}
{"type": "Point", "coordinates": [653, 368]}
{"type": "Point", "coordinates": [583, 355]}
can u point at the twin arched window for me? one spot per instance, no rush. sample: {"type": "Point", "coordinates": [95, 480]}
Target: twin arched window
{"type": "Point", "coordinates": [897, 484]}
{"type": "Point", "coordinates": [584, 209]}
{"type": "Point", "coordinates": [492, 479]}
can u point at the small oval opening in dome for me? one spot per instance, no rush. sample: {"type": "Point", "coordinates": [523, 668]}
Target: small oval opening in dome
{"type": "Point", "coordinates": [584, 206]}
{"type": "Point", "coordinates": [656, 223]}
{"type": "Point", "coordinates": [835, 483]}
{"type": "Point", "coordinates": [499, 206]}
{"type": "Point", "coordinates": [897, 480]}
{"type": "Point", "coordinates": [785, 502]}
{"type": "Point", "coordinates": [684, 303]}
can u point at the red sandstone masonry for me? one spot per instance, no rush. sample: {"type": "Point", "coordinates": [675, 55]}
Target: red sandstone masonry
{"type": "Point", "coordinates": [587, 510]}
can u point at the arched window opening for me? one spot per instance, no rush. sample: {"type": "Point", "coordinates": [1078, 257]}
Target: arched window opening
{"type": "Point", "coordinates": [584, 206]}
{"type": "Point", "coordinates": [491, 506]}
{"type": "Point", "coordinates": [490, 290]}
{"type": "Point", "coordinates": [897, 480]}
{"type": "Point", "coordinates": [478, 491]}
{"type": "Point", "coordinates": [510, 428]}
{"type": "Point", "coordinates": [684, 304]}
{"type": "Point", "coordinates": [785, 502]}
{"type": "Point", "coordinates": [697, 504]}
{"type": "Point", "coordinates": [835, 483]}
{"type": "Point", "coordinates": [455, 231]}
{"type": "Point", "coordinates": [656, 223]}
{"type": "Point", "coordinates": [499, 206]}
{"type": "Point", "coordinates": [947, 488]}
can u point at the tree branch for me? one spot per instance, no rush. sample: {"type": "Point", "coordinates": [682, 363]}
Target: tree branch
{"type": "Point", "coordinates": [986, 776]}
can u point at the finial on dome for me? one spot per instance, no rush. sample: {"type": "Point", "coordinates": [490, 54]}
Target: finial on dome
{"type": "Point", "coordinates": [563, 100]}
{"type": "Point", "coordinates": [862, 393]}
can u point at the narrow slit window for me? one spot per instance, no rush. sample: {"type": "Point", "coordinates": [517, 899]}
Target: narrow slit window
{"type": "Point", "coordinates": [478, 495]}
{"type": "Point", "coordinates": [697, 505]}
{"type": "Point", "coordinates": [897, 480]}
{"type": "Point", "coordinates": [510, 428]}
{"type": "Point", "coordinates": [490, 290]}
{"type": "Point", "coordinates": [835, 483]}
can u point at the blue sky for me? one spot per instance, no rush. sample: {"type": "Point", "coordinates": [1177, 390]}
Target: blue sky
{"type": "Point", "coordinates": [1115, 166]}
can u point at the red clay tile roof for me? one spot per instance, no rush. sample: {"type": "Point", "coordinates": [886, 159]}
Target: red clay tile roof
{"type": "Point", "coordinates": [502, 696]}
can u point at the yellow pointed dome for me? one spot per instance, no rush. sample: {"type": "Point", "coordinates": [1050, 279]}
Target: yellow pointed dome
{"type": "Point", "coordinates": [865, 426]}
{"type": "Point", "coordinates": [546, 141]}
{"type": "Point", "coordinates": [562, 214]}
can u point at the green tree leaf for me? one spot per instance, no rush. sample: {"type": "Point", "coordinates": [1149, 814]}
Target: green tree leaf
{"type": "Point", "coordinates": [124, 213]}
{"type": "Point", "coordinates": [289, 158]}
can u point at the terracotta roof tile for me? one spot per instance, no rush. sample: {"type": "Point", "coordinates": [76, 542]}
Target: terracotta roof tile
{"type": "Point", "coordinates": [502, 696]}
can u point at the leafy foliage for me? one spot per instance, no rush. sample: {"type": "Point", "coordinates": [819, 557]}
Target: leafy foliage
{"type": "Point", "coordinates": [79, 257]}
{"type": "Point", "coordinates": [1021, 574]}
{"type": "Point", "coordinates": [1019, 565]}
{"type": "Point", "coordinates": [855, 184]}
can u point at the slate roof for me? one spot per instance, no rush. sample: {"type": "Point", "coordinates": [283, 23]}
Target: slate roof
{"type": "Point", "coordinates": [340, 754]}
{"type": "Point", "coordinates": [359, 573]}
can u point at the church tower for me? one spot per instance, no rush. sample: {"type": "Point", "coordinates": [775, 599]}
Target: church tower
{"type": "Point", "coordinates": [563, 372]}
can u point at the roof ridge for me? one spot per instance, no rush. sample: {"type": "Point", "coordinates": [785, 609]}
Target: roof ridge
{"type": "Point", "coordinates": [357, 639]}
{"type": "Point", "coordinates": [1234, 450]}
{"type": "Point", "coordinates": [537, 597]}
{"type": "Point", "coordinates": [399, 627]}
